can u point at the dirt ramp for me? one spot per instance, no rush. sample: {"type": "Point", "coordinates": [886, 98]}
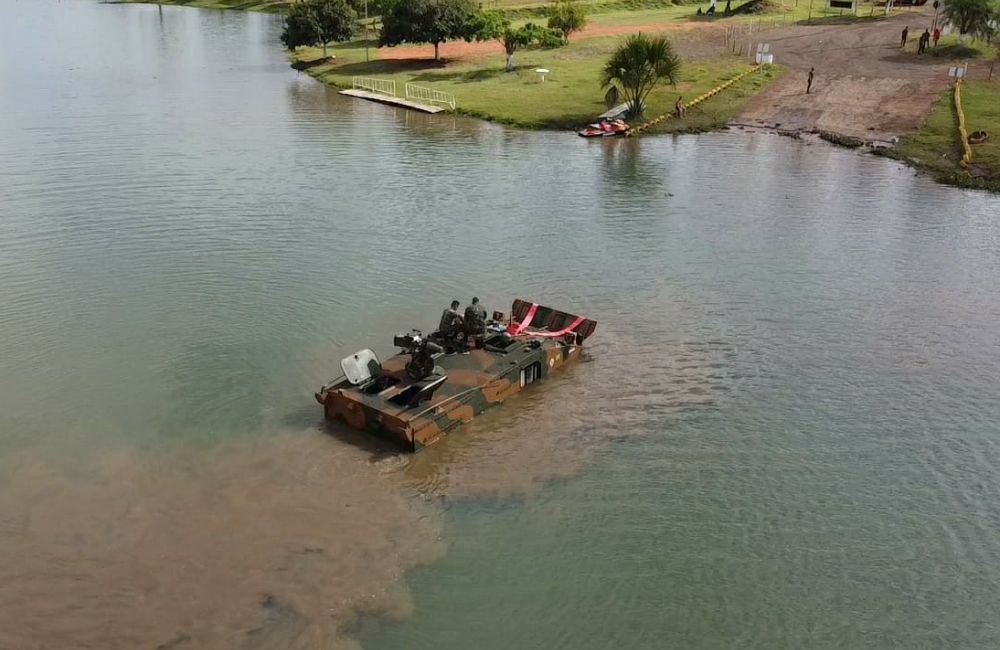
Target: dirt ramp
{"type": "Point", "coordinates": [871, 108]}
{"type": "Point", "coordinates": [865, 85]}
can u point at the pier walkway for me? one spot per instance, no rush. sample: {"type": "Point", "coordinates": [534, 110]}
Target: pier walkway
{"type": "Point", "coordinates": [393, 101]}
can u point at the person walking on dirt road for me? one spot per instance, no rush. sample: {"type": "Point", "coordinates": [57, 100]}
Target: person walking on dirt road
{"type": "Point", "coordinates": [809, 82]}
{"type": "Point", "coordinates": [902, 40]}
{"type": "Point", "coordinates": [937, 36]}
{"type": "Point", "coordinates": [925, 38]}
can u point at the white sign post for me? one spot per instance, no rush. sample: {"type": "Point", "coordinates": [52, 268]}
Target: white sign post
{"type": "Point", "coordinates": [762, 53]}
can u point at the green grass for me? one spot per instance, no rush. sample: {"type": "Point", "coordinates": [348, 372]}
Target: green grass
{"type": "Point", "coordinates": [570, 97]}
{"type": "Point", "coordinates": [538, 8]}
{"type": "Point", "coordinates": [937, 148]}
{"type": "Point", "coordinates": [716, 112]}
{"type": "Point", "coordinates": [949, 48]}
{"type": "Point", "coordinates": [605, 12]}
{"type": "Point", "coordinates": [271, 6]}
{"type": "Point", "coordinates": [778, 11]}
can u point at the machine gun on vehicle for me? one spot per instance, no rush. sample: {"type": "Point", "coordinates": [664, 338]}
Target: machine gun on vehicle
{"type": "Point", "coordinates": [421, 351]}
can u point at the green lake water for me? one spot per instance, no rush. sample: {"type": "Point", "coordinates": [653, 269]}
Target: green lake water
{"type": "Point", "coordinates": [785, 434]}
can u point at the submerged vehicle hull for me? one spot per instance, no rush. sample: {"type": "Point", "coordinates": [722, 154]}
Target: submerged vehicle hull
{"type": "Point", "coordinates": [475, 376]}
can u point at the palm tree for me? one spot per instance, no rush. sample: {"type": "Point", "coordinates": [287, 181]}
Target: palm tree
{"type": "Point", "coordinates": [637, 66]}
{"type": "Point", "coordinates": [974, 17]}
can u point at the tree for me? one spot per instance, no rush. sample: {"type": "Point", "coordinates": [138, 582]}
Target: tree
{"type": "Point", "coordinates": [974, 17]}
{"type": "Point", "coordinates": [568, 17]}
{"type": "Point", "coordinates": [318, 22]}
{"type": "Point", "coordinates": [491, 25]}
{"type": "Point", "coordinates": [427, 21]}
{"type": "Point", "coordinates": [637, 66]}
{"type": "Point", "coordinates": [374, 7]}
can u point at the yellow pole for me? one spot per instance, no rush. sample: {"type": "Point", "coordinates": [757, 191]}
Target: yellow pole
{"type": "Point", "coordinates": [962, 132]}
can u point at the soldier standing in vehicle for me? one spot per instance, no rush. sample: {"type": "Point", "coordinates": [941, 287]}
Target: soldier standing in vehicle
{"type": "Point", "coordinates": [475, 318]}
{"type": "Point", "coordinates": [451, 320]}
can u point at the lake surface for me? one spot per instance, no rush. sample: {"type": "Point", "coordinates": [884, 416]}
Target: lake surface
{"type": "Point", "coordinates": [786, 434]}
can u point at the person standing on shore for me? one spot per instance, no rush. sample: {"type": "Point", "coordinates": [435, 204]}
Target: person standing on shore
{"type": "Point", "coordinates": [809, 82]}
{"type": "Point", "coordinates": [902, 40]}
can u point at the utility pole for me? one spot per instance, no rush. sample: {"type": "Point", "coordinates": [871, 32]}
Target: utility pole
{"type": "Point", "coordinates": [366, 30]}
{"type": "Point", "coordinates": [935, 5]}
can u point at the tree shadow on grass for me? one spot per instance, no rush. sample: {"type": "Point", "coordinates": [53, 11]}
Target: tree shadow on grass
{"type": "Point", "coordinates": [426, 70]}
{"type": "Point", "coordinates": [462, 76]}
{"type": "Point", "coordinates": [913, 58]}
{"type": "Point", "coordinates": [305, 65]}
{"type": "Point", "coordinates": [845, 19]}
{"type": "Point", "coordinates": [389, 66]}
{"type": "Point", "coordinates": [954, 51]}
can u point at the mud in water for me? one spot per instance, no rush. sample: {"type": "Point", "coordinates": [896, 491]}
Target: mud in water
{"type": "Point", "coordinates": [285, 541]}
{"type": "Point", "coordinates": [267, 544]}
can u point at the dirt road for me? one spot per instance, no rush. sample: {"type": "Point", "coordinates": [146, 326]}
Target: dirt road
{"type": "Point", "coordinates": [865, 85]}
{"type": "Point", "coordinates": [693, 40]}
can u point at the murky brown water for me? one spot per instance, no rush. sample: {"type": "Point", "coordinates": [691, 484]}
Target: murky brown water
{"type": "Point", "coordinates": [275, 543]}
{"type": "Point", "coordinates": [192, 235]}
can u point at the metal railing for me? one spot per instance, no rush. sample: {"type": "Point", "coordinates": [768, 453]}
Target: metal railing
{"type": "Point", "coordinates": [421, 93]}
{"type": "Point", "coordinates": [382, 86]}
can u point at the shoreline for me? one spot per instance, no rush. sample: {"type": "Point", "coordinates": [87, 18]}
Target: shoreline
{"type": "Point", "coordinates": [883, 147]}
{"type": "Point", "coordinates": [920, 141]}
{"type": "Point", "coordinates": [878, 148]}
{"type": "Point", "coordinates": [569, 100]}
{"type": "Point", "coordinates": [570, 123]}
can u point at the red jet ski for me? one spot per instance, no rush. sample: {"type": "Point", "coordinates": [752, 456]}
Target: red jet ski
{"type": "Point", "coordinates": [604, 129]}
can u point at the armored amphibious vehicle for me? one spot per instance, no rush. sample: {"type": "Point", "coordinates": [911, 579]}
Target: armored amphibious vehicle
{"type": "Point", "coordinates": [440, 381]}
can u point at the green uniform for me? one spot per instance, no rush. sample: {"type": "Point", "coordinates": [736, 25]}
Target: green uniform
{"type": "Point", "coordinates": [475, 319]}
{"type": "Point", "coordinates": [449, 321]}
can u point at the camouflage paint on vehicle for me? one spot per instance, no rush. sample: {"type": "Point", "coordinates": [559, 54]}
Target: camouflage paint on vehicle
{"type": "Point", "coordinates": [476, 380]}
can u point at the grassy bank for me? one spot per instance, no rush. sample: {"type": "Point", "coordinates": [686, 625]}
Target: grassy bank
{"type": "Point", "coordinates": [715, 112]}
{"type": "Point", "coordinates": [608, 12]}
{"type": "Point", "coordinates": [949, 48]}
{"type": "Point", "coordinates": [271, 6]}
{"type": "Point", "coordinates": [570, 96]}
{"type": "Point", "coordinates": [937, 147]}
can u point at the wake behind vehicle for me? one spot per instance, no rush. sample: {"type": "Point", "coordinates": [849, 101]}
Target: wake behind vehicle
{"type": "Point", "coordinates": [440, 381]}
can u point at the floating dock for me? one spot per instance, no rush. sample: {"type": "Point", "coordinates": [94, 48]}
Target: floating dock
{"type": "Point", "coordinates": [392, 101]}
